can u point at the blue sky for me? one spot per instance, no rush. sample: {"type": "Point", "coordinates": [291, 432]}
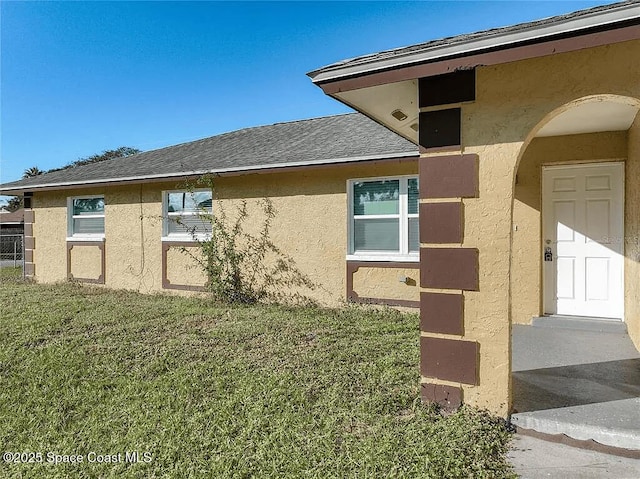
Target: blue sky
{"type": "Point", "coordinates": [78, 78]}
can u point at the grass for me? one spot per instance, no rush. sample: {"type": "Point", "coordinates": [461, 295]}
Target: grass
{"type": "Point", "coordinates": [214, 391]}
{"type": "Point", "coordinates": [10, 273]}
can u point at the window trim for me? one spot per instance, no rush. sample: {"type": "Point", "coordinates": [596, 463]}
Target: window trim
{"type": "Point", "coordinates": [71, 236]}
{"type": "Point", "coordinates": [403, 255]}
{"type": "Point", "coordinates": [183, 237]}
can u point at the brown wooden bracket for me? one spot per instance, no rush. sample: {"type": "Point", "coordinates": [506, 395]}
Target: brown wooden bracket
{"type": "Point", "coordinates": [166, 284]}
{"type": "Point", "coordinates": [94, 244]}
{"type": "Point", "coordinates": [354, 266]}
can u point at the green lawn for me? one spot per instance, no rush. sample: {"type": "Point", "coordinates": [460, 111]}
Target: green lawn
{"type": "Point", "coordinates": [215, 391]}
{"type": "Point", "coordinates": [9, 273]}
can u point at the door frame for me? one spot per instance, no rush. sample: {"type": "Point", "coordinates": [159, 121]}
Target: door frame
{"type": "Point", "coordinates": [548, 288]}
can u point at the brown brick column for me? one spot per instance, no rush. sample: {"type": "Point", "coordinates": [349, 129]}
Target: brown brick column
{"type": "Point", "coordinates": [29, 241]}
{"type": "Point", "coordinates": [447, 268]}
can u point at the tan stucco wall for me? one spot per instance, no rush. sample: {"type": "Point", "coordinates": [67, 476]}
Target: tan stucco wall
{"type": "Point", "coordinates": [526, 279]}
{"type": "Point", "coordinates": [50, 232]}
{"type": "Point", "coordinates": [86, 261]}
{"type": "Point", "coordinates": [310, 226]}
{"type": "Point", "coordinates": [311, 221]}
{"type": "Point", "coordinates": [384, 283]}
{"type": "Point", "coordinates": [132, 239]}
{"type": "Point", "coordinates": [632, 234]}
{"type": "Point", "coordinates": [182, 269]}
{"type": "Point", "coordinates": [133, 229]}
{"type": "Point", "coordinates": [512, 102]}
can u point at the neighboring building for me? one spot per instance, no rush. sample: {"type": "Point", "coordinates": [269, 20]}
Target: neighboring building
{"type": "Point", "coordinates": [12, 222]}
{"type": "Point", "coordinates": [11, 235]}
{"type": "Point", "coordinates": [529, 175]}
{"type": "Point", "coordinates": [526, 186]}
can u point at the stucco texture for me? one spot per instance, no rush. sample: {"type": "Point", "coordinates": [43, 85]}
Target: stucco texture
{"type": "Point", "coordinates": [311, 221]}
{"type": "Point", "coordinates": [86, 261]}
{"type": "Point", "coordinates": [384, 283]}
{"type": "Point", "coordinates": [50, 232]}
{"type": "Point", "coordinates": [513, 101]}
{"type": "Point", "coordinates": [183, 269]}
{"type": "Point", "coordinates": [132, 237]}
{"type": "Point", "coordinates": [632, 234]}
{"type": "Point", "coordinates": [310, 226]}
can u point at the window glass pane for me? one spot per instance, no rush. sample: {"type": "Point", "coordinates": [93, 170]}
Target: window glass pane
{"type": "Point", "coordinates": [88, 225]}
{"type": "Point", "coordinates": [189, 201]}
{"type": "Point", "coordinates": [189, 223]}
{"type": "Point", "coordinates": [88, 206]}
{"type": "Point", "coordinates": [414, 235]}
{"type": "Point", "coordinates": [376, 197]}
{"type": "Point", "coordinates": [376, 234]}
{"type": "Point", "coordinates": [413, 194]}
{"type": "Point", "coordinates": [175, 201]}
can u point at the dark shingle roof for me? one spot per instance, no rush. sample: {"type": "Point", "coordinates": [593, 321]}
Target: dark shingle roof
{"type": "Point", "coordinates": [333, 139]}
{"type": "Point", "coordinates": [631, 9]}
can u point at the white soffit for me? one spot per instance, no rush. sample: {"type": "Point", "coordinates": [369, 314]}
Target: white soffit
{"type": "Point", "coordinates": [591, 118]}
{"type": "Point", "coordinates": [378, 102]}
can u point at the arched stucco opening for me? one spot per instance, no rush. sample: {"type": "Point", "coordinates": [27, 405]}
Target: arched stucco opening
{"type": "Point", "coordinates": [575, 232]}
{"type": "Point", "coordinates": [593, 129]}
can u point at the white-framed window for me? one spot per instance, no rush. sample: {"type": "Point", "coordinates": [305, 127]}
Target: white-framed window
{"type": "Point", "coordinates": [383, 219]}
{"type": "Point", "coordinates": [85, 218]}
{"type": "Point", "coordinates": [184, 214]}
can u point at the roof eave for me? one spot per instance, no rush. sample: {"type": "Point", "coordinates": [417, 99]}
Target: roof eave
{"type": "Point", "coordinates": [607, 20]}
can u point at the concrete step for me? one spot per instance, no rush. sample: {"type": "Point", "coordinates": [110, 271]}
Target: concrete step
{"type": "Point", "coordinates": [580, 323]}
{"type": "Point", "coordinates": [614, 423]}
{"type": "Point", "coordinates": [536, 458]}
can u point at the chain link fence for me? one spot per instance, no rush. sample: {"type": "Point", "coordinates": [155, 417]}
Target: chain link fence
{"type": "Point", "coordinates": [11, 250]}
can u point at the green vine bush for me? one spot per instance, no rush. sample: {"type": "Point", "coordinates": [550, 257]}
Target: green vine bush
{"type": "Point", "coordinates": [242, 267]}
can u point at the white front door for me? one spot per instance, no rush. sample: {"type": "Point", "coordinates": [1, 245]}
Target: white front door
{"type": "Point", "coordinates": [582, 242]}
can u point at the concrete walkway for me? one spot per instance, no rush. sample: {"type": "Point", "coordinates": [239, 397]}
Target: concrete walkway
{"type": "Point", "coordinates": [581, 383]}
{"type": "Point", "coordinates": [536, 459]}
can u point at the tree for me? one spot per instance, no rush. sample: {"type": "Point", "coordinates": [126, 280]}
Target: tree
{"type": "Point", "coordinates": [14, 204]}
{"type": "Point", "coordinates": [31, 172]}
{"type": "Point", "coordinates": [120, 152]}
